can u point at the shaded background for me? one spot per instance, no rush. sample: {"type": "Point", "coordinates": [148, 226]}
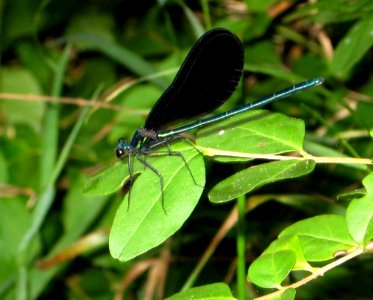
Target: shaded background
{"type": "Point", "coordinates": [88, 49]}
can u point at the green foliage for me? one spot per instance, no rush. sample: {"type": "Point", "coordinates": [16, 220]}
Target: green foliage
{"type": "Point", "coordinates": [317, 239]}
{"type": "Point", "coordinates": [75, 77]}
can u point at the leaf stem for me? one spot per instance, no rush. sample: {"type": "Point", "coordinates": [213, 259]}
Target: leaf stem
{"type": "Point", "coordinates": [319, 272]}
{"type": "Point", "coordinates": [306, 156]}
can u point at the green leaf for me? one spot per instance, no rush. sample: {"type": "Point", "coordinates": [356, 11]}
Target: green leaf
{"type": "Point", "coordinates": [21, 82]}
{"type": "Point", "coordinates": [18, 18]}
{"type": "Point", "coordinates": [368, 183]}
{"type": "Point", "coordinates": [219, 291]}
{"type": "Point", "coordinates": [290, 243]}
{"type": "Point", "coordinates": [122, 55]}
{"type": "Point", "coordinates": [79, 211]}
{"type": "Point", "coordinates": [92, 23]}
{"type": "Point", "coordinates": [269, 270]}
{"type": "Point", "coordinates": [288, 294]}
{"type": "Point", "coordinates": [252, 178]}
{"type": "Point", "coordinates": [353, 46]}
{"type": "Point", "coordinates": [108, 181]}
{"type": "Point", "coordinates": [321, 236]}
{"type": "Point", "coordinates": [255, 132]}
{"type": "Point", "coordinates": [359, 214]}
{"type": "Point", "coordinates": [15, 220]}
{"type": "Point", "coordinates": [260, 6]}
{"type": "Point", "coordinates": [143, 224]}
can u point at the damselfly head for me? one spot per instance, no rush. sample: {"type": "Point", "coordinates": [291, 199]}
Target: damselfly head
{"type": "Point", "coordinates": [122, 148]}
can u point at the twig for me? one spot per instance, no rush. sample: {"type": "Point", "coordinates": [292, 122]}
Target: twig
{"type": "Point", "coordinates": [318, 273]}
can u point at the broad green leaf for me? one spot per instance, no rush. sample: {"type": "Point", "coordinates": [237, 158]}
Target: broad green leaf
{"type": "Point", "coordinates": [143, 224]}
{"type": "Point", "coordinates": [321, 236]}
{"type": "Point", "coordinates": [252, 178]}
{"type": "Point", "coordinates": [255, 132]}
{"type": "Point", "coordinates": [219, 291]}
{"type": "Point", "coordinates": [290, 243]}
{"type": "Point", "coordinates": [353, 46]}
{"type": "Point", "coordinates": [359, 214]}
{"type": "Point", "coordinates": [269, 270]}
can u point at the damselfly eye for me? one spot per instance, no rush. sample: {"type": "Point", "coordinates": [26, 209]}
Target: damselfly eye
{"type": "Point", "coordinates": [119, 152]}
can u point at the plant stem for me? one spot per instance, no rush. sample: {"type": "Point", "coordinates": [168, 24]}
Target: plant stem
{"type": "Point", "coordinates": [241, 249]}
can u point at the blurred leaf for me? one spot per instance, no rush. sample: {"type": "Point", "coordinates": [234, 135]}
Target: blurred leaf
{"type": "Point", "coordinates": [19, 19]}
{"type": "Point", "coordinates": [364, 112]}
{"type": "Point", "coordinates": [14, 221]}
{"type": "Point", "coordinates": [353, 46]}
{"type": "Point", "coordinates": [120, 54]}
{"type": "Point", "coordinates": [252, 178]}
{"type": "Point", "coordinates": [260, 6]}
{"type": "Point", "coordinates": [4, 176]}
{"type": "Point", "coordinates": [79, 211]}
{"type": "Point", "coordinates": [262, 54]}
{"type": "Point", "coordinates": [193, 19]}
{"type": "Point", "coordinates": [93, 23]}
{"type": "Point", "coordinates": [35, 60]}
{"type": "Point", "coordinates": [20, 81]}
{"type": "Point", "coordinates": [209, 291]}
{"type": "Point", "coordinates": [334, 12]}
{"type": "Point", "coordinates": [258, 24]}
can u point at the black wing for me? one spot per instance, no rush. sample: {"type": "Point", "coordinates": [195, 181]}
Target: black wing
{"type": "Point", "coordinates": [207, 78]}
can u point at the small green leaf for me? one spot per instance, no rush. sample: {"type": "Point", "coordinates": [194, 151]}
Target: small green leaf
{"type": "Point", "coordinates": [353, 46]}
{"type": "Point", "coordinates": [249, 179]}
{"type": "Point", "coordinates": [290, 243]}
{"type": "Point", "coordinates": [321, 236]}
{"type": "Point", "coordinates": [359, 218]}
{"type": "Point", "coordinates": [368, 183]}
{"type": "Point", "coordinates": [108, 181]}
{"type": "Point", "coordinates": [255, 132]}
{"type": "Point", "coordinates": [359, 214]}
{"type": "Point", "coordinates": [143, 224]}
{"type": "Point", "coordinates": [219, 291]}
{"type": "Point", "coordinates": [269, 270]}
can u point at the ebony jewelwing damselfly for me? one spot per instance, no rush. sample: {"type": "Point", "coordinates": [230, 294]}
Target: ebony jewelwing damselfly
{"type": "Point", "coordinates": [207, 78]}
